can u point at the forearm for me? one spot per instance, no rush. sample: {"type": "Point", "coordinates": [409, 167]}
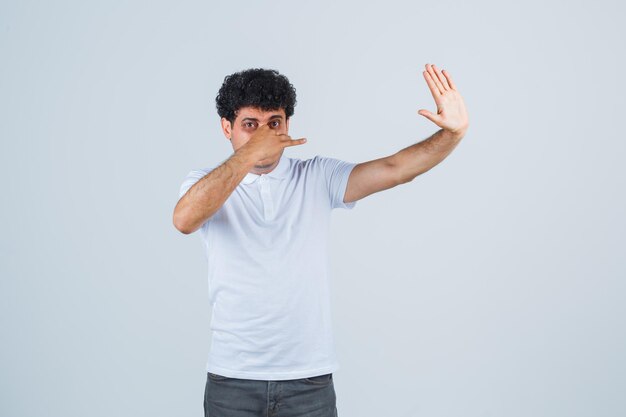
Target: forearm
{"type": "Point", "coordinates": [422, 156]}
{"type": "Point", "coordinates": [207, 195]}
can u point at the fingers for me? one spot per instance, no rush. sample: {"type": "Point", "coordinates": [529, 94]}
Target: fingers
{"type": "Point", "coordinates": [431, 85]}
{"type": "Point", "coordinates": [265, 126]}
{"type": "Point", "coordinates": [441, 78]}
{"type": "Point", "coordinates": [433, 74]}
{"type": "Point", "coordinates": [449, 78]}
{"type": "Point", "coordinates": [294, 142]}
{"type": "Point", "coordinates": [283, 139]}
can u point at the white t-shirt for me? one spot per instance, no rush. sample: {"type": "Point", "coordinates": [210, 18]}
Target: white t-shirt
{"type": "Point", "coordinates": [268, 270]}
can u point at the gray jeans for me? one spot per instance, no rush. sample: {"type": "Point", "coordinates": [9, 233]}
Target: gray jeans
{"type": "Point", "coordinates": [235, 397]}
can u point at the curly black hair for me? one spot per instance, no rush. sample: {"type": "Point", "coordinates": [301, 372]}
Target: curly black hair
{"type": "Point", "coordinates": [256, 87]}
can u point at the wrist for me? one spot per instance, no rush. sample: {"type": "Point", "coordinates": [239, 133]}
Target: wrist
{"type": "Point", "coordinates": [460, 131]}
{"type": "Point", "coordinates": [455, 134]}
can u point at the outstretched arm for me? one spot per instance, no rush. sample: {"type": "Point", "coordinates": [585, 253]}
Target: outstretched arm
{"type": "Point", "coordinates": [380, 174]}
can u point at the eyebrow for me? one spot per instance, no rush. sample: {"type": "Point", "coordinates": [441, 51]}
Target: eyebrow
{"type": "Point", "coordinates": [274, 116]}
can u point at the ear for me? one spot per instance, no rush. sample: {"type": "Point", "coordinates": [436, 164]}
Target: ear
{"type": "Point", "coordinates": [226, 128]}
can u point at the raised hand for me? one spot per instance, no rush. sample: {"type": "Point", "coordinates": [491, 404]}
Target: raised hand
{"type": "Point", "coordinates": [451, 112]}
{"type": "Point", "coordinates": [267, 142]}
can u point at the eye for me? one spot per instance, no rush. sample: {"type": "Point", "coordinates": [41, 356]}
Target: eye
{"type": "Point", "coordinates": [275, 123]}
{"type": "Point", "coordinates": [249, 124]}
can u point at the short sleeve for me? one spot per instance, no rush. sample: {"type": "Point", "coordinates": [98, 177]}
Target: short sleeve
{"type": "Point", "coordinates": [191, 178]}
{"type": "Point", "coordinates": [336, 173]}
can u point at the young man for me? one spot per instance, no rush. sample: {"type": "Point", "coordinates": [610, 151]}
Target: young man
{"type": "Point", "coordinates": [264, 219]}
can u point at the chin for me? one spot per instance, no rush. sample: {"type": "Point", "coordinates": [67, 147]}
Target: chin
{"type": "Point", "coordinates": [263, 164]}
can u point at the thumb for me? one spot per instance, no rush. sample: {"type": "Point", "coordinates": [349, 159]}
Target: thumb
{"type": "Point", "coordinates": [430, 116]}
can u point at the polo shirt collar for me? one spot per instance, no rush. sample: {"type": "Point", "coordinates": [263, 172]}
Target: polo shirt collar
{"type": "Point", "coordinates": [279, 172]}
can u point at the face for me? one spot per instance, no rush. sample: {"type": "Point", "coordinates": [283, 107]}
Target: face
{"type": "Point", "coordinates": [247, 121]}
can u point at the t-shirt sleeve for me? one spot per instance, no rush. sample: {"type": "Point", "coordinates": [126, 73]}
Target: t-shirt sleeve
{"type": "Point", "coordinates": [336, 173]}
{"type": "Point", "coordinates": [191, 178]}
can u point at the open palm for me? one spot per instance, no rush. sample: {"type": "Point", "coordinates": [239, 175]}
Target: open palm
{"type": "Point", "coordinates": [451, 112]}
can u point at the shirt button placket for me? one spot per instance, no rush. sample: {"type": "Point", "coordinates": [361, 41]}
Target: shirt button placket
{"type": "Point", "coordinates": [268, 207]}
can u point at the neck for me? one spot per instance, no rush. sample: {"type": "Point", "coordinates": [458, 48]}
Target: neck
{"type": "Point", "coordinates": [266, 168]}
